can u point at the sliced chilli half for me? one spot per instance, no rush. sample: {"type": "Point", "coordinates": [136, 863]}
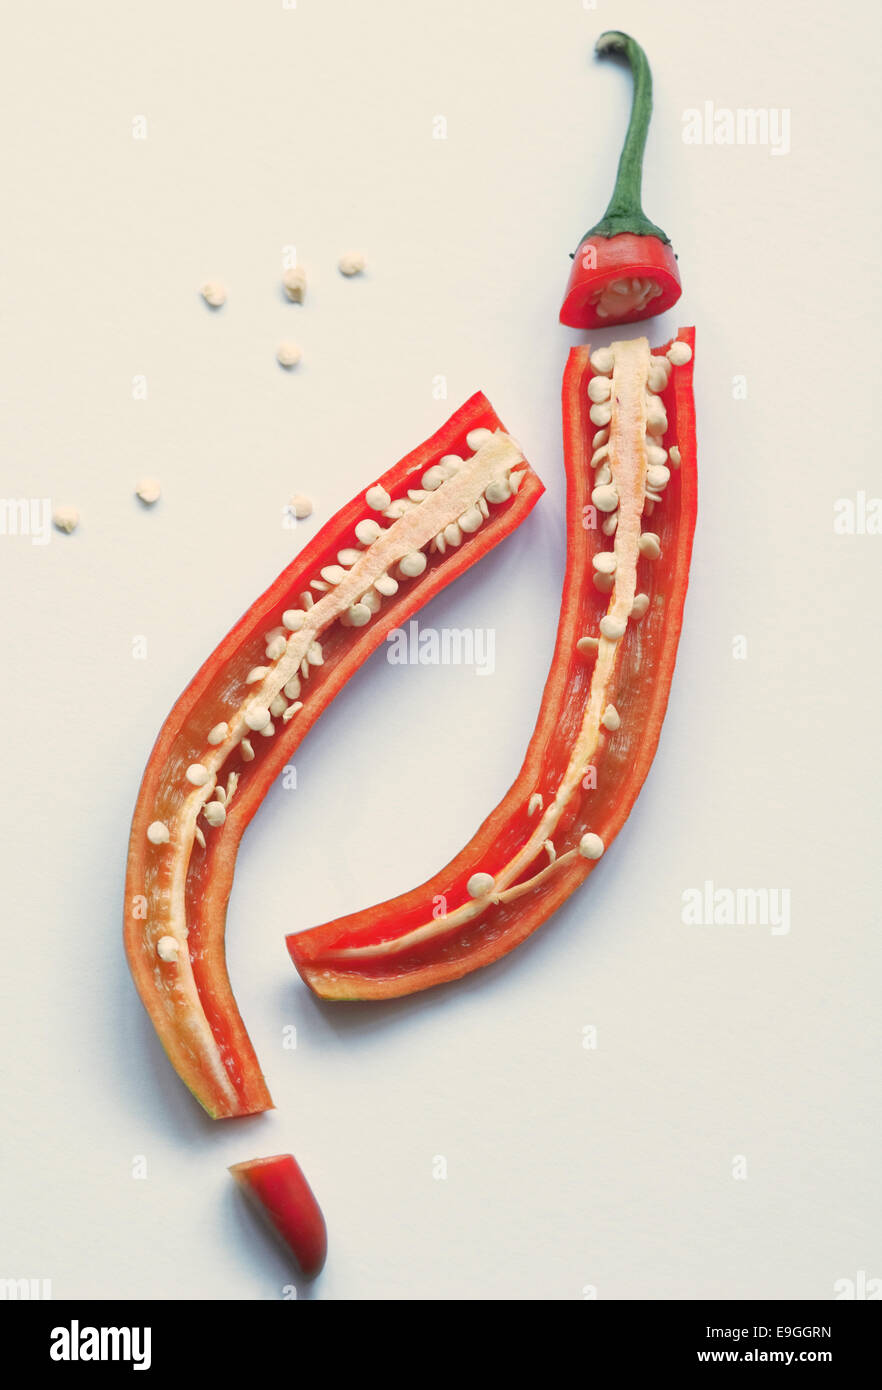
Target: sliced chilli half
{"type": "Point", "coordinates": [629, 446]}
{"type": "Point", "coordinates": [383, 556]}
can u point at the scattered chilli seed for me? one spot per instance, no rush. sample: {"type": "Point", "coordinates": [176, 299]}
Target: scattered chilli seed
{"type": "Point", "coordinates": [292, 688]}
{"type": "Point", "coordinates": [288, 354]}
{"type": "Point", "coordinates": [603, 583]}
{"type": "Point", "coordinates": [674, 456]}
{"type": "Point", "coordinates": [359, 614]}
{"type": "Point", "coordinates": [247, 750]}
{"type": "Point", "coordinates": [314, 654]}
{"type": "Point", "coordinates": [293, 618]}
{"type": "Point", "coordinates": [256, 675]}
{"type": "Point", "coordinates": [218, 733]}
{"type": "Point", "coordinates": [278, 705]}
{"type": "Point", "coordinates": [333, 574]}
{"type": "Point", "coordinates": [368, 531]}
{"type": "Point", "coordinates": [198, 775]}
{"type": "Point", "coordinates": [534, 804]}
{"type": "Point", "coordinates": [148, 490]}
{"type": "Point", "coordinates": [198, 836]}
{"type": "Point", "coordinates": [351, 263]}
{"type": "Point", "coordinates": [588, 646]}
{"type": "Point", "coordinates": [267, 731]}
{"type": "Point", "coordinates": [215, 813]}
{"type": "Point", "coordinates": [157, 832]}
{"type": "Point", "coordinates": [601, 437]}
{"type": "Point", "coordinates": [66, 519]}
{"type": "Point", "coordinates": [167, 948]}
{"type": "Point", "coordinates": [452, 534]}
{"type": "Point", "coordinates": [214, 293]}
{"type": "Point", "coordinates": [591, 846]}
{"type": "Point", "coordinates": [276, 647]}
{"type": "Point", "coordinates": [608, 527]}
{"type": "Point", "coordinates": [600, 414]}
{"type": "Point", "coordinates": [301, 506]}
{"type": "Point", "coordinates": [650, 545]}
{"type": "Point", "coordinates": [292, 710]}
{"type": "Point", "coordinates": [386, 585]}
{"type": "Point", "coordinates": [657, 475]}
{"type": "Point", "coordinates": [470, 521]}
{"type": "Point", "coordinates": [348, 557]}
{"type": "Point", "coordinates": [479, 884]}
{"type": "Point", "coordinates": [294, 282]}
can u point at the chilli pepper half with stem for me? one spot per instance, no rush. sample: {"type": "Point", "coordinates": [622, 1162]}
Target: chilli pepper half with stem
{"type": "Point", "coordinates": [629, 451]}
{"type": "Point", "coordinates": [383, 556]}
{"type": "Point", "coordinates": [625, 268]}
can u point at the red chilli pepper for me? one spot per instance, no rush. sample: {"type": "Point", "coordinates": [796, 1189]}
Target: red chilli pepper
{"type": "Point", "coordinates": [625, 268]}
{"type": "Point", "coordinates": [238, 722]}
{"type": "Point", "coordinates": [277, 1186]}
{"type": "Point", "coordinates": [629, 449]}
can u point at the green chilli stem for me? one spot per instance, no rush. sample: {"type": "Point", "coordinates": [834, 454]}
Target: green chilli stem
{"type": "Point", "coordinates": [625, 212]}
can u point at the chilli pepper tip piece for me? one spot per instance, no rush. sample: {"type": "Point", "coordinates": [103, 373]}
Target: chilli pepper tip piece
{"type": "Point", "coordinates": [624, 269]}
{"type": "Point", "coordinates": [383, 556]}
{"type": "Point", "coordinates": [629, 452]}
{"type": "Point", "coordinates": [278, 1188]}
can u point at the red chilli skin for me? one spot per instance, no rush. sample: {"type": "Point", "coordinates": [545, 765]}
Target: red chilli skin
{"type": "Point", "coordinates": [241, 1089]}
{"type": "Point", "coordinates": [623, 759]}
{"type": "Point", "coordinates": [278, 1188]}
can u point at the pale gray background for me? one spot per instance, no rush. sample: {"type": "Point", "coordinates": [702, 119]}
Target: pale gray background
{"type": "Point", "coordinates": [313, 126]}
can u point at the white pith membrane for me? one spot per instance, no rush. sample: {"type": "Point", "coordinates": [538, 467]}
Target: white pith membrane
{"type": "Point", "coordinates": [631, 471]}
{"type": "Point", "coordinates": [625, 296]}
{"type": "Point", "coordinates": [349, 593]}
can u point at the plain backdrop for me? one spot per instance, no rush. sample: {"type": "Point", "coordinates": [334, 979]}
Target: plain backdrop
{"type": "Point", "coordinates": [720, 1139]}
